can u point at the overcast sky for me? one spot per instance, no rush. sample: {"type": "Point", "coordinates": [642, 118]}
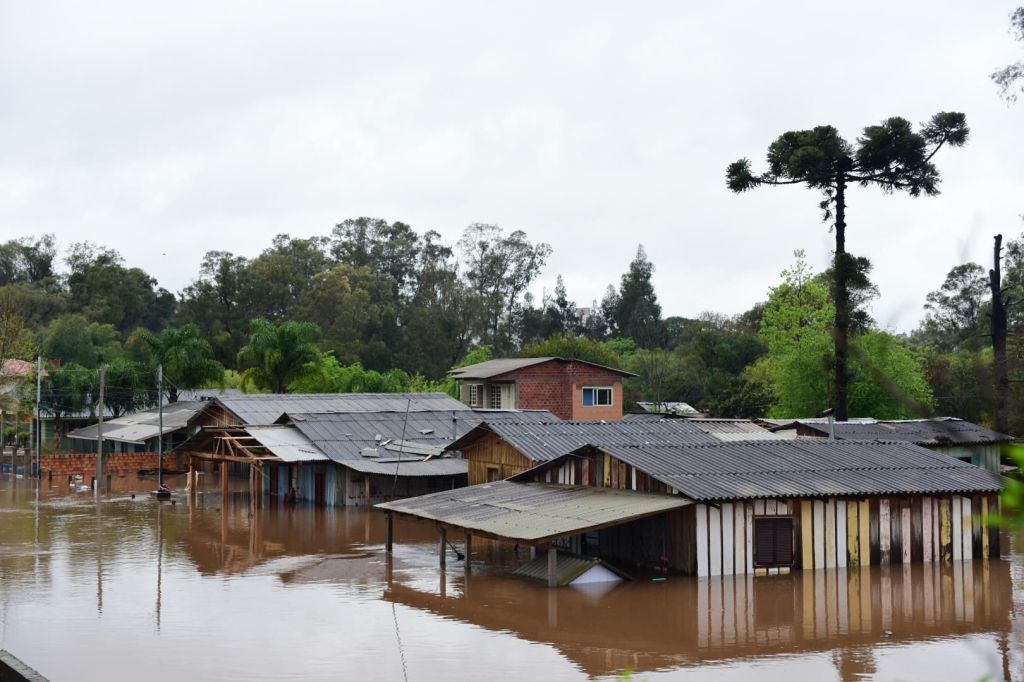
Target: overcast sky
{"type": "Point", "coordinates": [170, 130]}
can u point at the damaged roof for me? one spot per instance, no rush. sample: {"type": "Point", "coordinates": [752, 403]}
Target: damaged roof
{"type": "Point", "coordinates": [139, 427]}
{"type": "Point", "coordinates": [927, 432]}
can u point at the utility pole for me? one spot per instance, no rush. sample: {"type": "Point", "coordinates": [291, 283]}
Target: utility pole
{"type": "Point", "coordinates": [39, 416]}
{"type": "Point", "coordinates": [101, 465]}
{"type": "Point", "coordinates": [160, 437]}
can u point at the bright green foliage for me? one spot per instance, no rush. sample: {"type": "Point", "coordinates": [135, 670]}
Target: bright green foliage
{"type": "Point", "coordinates": [186, 357]}
{"type": "Point", "coordinates": [335, 377]}
{"type": "Point", "coordinates": [129, 387]}
{"type": "Point", "coordinates": [888, 377]}
{"type": "Point", "coordinates": [278, 355]}
{"type": "Point", "coordinates": [1013, 494]}
{"type": "Point", "coordinates": [575, 348]}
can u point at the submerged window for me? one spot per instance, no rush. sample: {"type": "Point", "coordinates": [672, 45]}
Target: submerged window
{"type": "Point", "coordinates": [773, 541]}
{"type": "Point", "coordinates": [597, 396]}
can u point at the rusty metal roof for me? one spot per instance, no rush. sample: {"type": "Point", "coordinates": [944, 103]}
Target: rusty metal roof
{"type": "Point", "coordinates": [533, 512]}
{"type": "Point", "coordinates": [804, 468]}
{"type": "Point", "coordinates": [543, 441]}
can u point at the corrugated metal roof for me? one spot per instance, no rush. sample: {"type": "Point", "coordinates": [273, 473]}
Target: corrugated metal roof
{"type": "Point", "coordinates": [532, 512]}
{"type": "Point", "coordinates": [804, 468]}
{"type": "Point", "coordinates": [267, 408]}
{"type": "Point", "coordinates": [344, 436]}
{"type": "Point", "coordinates": [568, 568]}
{"type": "Point", "coordinates": [495, 368]}
{"type": "Point", "coordinates": [139, 427]}
{"type": "Point", "coordinates": [931, 432]}
{"type": "Point", "coordinates": [287, 443]}
{"type": "Point", "coordinates": [438, 466]}
{"type": "Point", "coordinates": [543, 441]}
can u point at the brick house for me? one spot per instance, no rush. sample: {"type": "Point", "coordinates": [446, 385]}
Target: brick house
{"type": "Point", "coordinates": [569, 389]}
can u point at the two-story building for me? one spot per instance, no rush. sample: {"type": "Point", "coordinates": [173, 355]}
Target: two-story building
{"type": "Point", "coordinates": [569, 389]}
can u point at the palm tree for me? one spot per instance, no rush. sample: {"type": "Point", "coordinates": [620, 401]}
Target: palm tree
{"type": "Point", "coordinates": [186, 356]}
{"type": "Point", "coordinates": [277, 355]}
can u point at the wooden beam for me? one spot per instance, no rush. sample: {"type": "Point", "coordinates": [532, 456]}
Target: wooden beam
{"type": "Point", "coordinates": [389, 537]}
{"type": "Point", "coordinates": [468, 562]}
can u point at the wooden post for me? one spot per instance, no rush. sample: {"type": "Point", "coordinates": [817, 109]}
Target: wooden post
{"type": "Point", "coordinates": [469, 552]}
{"type": "Point", "coordinates": [552, 567]}
{"type": "Point", "coordinates": [191, 480]}
{"type": "Point", "coordinates": [389, 538]}
{"type": "Point", "coordinates": [442, 555]}
{"type": "Point", "coordinates": [224, 483]}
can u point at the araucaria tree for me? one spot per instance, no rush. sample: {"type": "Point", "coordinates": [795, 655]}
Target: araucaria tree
{"type": "Point", "coordinates": [891, 156]}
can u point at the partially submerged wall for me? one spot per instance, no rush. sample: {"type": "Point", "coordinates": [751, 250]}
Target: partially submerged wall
{"type": "Point", "coordinates": [62, 465]}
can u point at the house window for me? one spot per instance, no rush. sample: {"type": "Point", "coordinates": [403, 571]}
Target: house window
{"type": "Point", "coordinates": [494, 397]}
{"type": "Point", "coordinates": [594, 396]}
{"type": "Point", "coordinates": [493, 474]}
{"type": "Point", "coordinates": [474, 395]}
{"type": "Point", "coordinates": [773, 541]}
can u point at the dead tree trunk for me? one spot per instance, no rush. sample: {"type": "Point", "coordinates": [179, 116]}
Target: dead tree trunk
{"type": "Point", "coordinates": [998, 331]}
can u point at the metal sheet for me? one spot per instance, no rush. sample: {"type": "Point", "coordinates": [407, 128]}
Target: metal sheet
{"type": "Point", "coordinates": [531, 512]}
{"type": "Point", "coordinates": [287, 443]}
{"type": "Point", "coordinates": [139, 427]}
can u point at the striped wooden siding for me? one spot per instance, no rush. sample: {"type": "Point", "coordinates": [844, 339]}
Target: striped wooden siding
{"type": "Point", "coordinates": [840, 533]}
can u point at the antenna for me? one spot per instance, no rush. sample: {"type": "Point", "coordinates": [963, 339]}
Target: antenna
{"type": "Point", "coordinates": [401, 446]}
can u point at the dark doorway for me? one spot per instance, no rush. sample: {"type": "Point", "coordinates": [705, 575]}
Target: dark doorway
{"type": "Point", "coordinates": [320, 489]}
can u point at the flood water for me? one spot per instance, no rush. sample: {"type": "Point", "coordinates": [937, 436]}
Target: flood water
{"type": "Point", "coordinates": [122, 588]}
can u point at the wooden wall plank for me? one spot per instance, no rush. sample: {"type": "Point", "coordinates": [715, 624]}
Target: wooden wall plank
{"type": "Point", "coordinates": [714, 541]}
{"type": "Point", "coordinates": [985, 522]}
{"type": "Point", "coordinates": [884, 532]}
{"type": "Point", "coordinates": [749, 531]}
{"type": "Point", "coordinates": [956, 519]}
{"type": "Point", "coordinates": [770, 507]}
{"type": "Point", "coordinates": [853, 533]}
{"type": "Point", "coordinates": [807, 534]}
{"type": "Point", "coordinates": [739, 540]}
{"type": "Point", "coordinates": [967, 531]}
{"type": "Point", "coordinates": [936, 530]}
{"type": "Point", "coordinates": [841, 531]}
{"type": "Point", "coordinates": [946, 529]}
{"type": "Point", "coordinates": [728, 535]}
{"type": "Point", "coordinates": [906, 536]}
{"type": "Point", "coordinates": [864, 532]}
{"type": "Point", "coordinates": [926, 529]}
{"type": "Point", "coordinates": [830, 533]}
{"type": "Point", "coordinates": [819, 534]}
{"type": "Point", "coordinates": [702, 539]}
{"type": "Point", "coordinates": [758, 507]}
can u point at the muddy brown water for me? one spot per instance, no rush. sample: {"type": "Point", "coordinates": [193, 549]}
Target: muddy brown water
{"type": "Point", "coordinates": [122, 588]}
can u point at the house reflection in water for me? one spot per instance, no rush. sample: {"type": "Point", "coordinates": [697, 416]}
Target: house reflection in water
{"type": "Point", "coordinates": [646, 626]}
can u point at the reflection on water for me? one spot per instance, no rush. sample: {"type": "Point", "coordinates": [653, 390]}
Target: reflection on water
{"type": "Point", "coordinates": [125, 587]}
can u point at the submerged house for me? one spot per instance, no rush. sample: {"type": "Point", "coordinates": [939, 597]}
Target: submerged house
{"type": "Point", "coordinates": [569, 389]}
{"type": "Point", "coordinates": [724, 508]}
{"type": "Point", "coordinates": [339, 449]}
{"type": "Point", "coordinates": [948, 435]}
{"type": "Point", "coordinates": [139, 431]}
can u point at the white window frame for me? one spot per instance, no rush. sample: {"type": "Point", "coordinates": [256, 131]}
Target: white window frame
{"type": "Point", "coordinates": [611, 396]}
{"type": "Point", "coordinates": [473, 393]}
{"type": "Point", "coordinates": [493, 391]}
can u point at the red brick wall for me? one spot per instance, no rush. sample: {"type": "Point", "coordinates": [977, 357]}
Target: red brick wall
{"type": "Point", "coordinates": [64, 465]}
{"type": "Point", "coordinates": [558, 387]}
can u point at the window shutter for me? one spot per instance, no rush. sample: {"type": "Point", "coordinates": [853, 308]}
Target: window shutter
{"type": "Point", "coordinates": [784, 542]}
{"type": "Point", "coordinates": [764, 542]}
{"type": "Point", "coordinates": [773, 541]}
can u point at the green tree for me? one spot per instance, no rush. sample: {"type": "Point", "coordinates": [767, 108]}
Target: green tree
{"type": "Point", "coordinates": [186, 357]}
{"type": "Point", "coordinates": [888, 382]}
{"type": "Point", "coordinates": [105, 291]}
{"type": "Point", "coordinates": [68, 390]}
{"type": "Point", "coordinates": [390, 249]}
{"type": "Point", "coordinates": [219, 303]}
{"type": "Point", "coordinates": [278, 276]}
{"type": "Point", "coordinates": [955, 311]}
{"type": "Point", "coordinates": [574, 348]}
{"type": "Point", "coordinates": [279, 354]}
{"type": "Point", "coordinates": [891, 156]}
{"type": "Point", "coordinates": [1007, 77]}
{"type": "Point", "coordinates": [635, 310]}
{"type": "Point", "coordinates": [74, 339]}
{"type": "Point", "coordinates": [130, 386]}
{"type": "Point", "coordinates": [498, 269]}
